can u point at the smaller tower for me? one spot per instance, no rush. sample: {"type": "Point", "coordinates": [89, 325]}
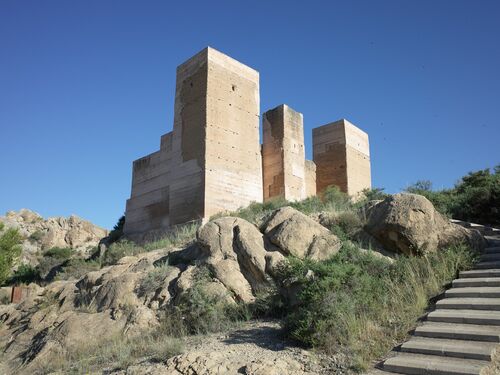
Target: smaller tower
{"type": "Point", "coordinates": [341, 152]}
{"type": "Point", "coordinates": [285, 171]}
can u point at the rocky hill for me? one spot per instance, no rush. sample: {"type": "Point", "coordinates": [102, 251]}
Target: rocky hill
{"type": "Point", "coordinates": [146, 300]}
{"type": "Point", "coordinates": [42, 234]}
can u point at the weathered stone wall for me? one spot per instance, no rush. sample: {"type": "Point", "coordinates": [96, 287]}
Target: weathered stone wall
{"type": "Point", "coordinates": [283, 154]}
{"type": "Point", "coordinates": [233, 170]}
{"type": "Point", "coordinates": [342, 157]}
{"type": "Point", "coordinates": [310, 172]}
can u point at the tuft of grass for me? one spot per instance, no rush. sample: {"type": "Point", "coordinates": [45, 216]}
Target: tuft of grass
{"type": "Point", "coordinates": [76, 268]}
{"type": "Point", "coordinates": [36, 236]}
{"type": "Point", "coordinates": [115, 352]}
{"type": "Point", "coordinates": [153, 280]}
{"type": "Point", "coordinates": [179, 236]}
{"type": "Point", "coordinates": [361, 305]}
{"type": "Point", "coordinates": [331, 200]}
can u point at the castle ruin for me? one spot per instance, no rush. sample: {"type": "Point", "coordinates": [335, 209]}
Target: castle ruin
{"type": "Point", "coordinates": [212, 161]}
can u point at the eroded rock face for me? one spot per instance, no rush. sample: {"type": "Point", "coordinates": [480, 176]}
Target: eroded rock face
{"type": "Point", "coordinates": [234, 250]}
{"type": "Point", "coordinates": [298, 235]}
{"type": "Point", "coordinates": [409, 224]}
{"type": "Point", "coordinates": [41, 234]}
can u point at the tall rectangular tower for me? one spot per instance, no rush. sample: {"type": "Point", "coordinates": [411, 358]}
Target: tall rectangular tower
{"type": "Point", "coordinates": [285, 171]}
{"type": "Point", "coordinates": [342, 155]}
{"type": "Point", "coordinates": [216, 148]}
{"type": "Point", "coordinates": [211, 161]}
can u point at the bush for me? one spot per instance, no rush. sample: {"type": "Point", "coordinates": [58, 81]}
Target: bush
{"type": "Point", "coordinates": [374, 194]}
{"type": "Point", "coordinates": [60, 253]}
{"type": "Point", "coordinates": [361, 305]}
{"type": "Point", "coordinates": [200, 312]}
{"type": "Point", "coordinates": [25, 274]}
{"type": "Point", "coordinates": [52, 261]}
{"type": "Point", "coordinates": [10, 249]}
{"type": "Point", "coordinates": [117, 231]}
{"type": "Point", "coordinates": [76, 268]}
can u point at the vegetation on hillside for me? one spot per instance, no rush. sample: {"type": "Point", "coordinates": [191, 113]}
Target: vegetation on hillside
{"type": "Point", "coordinates": [10, 249]}
{"type": "Point", "coordinates": [475, 197]}
{"type": "Point", "coordinates": [361, 305]}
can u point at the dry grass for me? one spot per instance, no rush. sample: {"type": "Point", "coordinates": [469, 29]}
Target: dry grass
{"type": "Point", "coordinates": [115, 352]}
{"type": "Point", "coordinates": [180, 235]}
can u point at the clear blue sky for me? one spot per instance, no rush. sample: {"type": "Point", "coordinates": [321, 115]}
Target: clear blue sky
{"type": "Point", "coordinates": [86, 87]}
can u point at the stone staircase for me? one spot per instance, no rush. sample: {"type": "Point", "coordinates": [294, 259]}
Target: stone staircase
{"type": "Point", "coordinates": [459, 336]}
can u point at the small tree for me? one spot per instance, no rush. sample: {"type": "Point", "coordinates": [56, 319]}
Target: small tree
{"type": "Point", "coordinates": [10, 249]}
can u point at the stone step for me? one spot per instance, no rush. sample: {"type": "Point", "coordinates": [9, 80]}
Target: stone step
{"type": "Point", "coordinates": [490, 257]}
{"type": "Point", "coordinates": [469, 303]}
{"type": "Point", "coordinates": [480, 317]}
{"type": "Point", "coordinates": [459, 331]}
{"type": "Point", "coordinates": [450, 348]}
{"type": "Point", "coordinates": [376, 371]}
{"type": "Point", "coordinates": [480, 273]}
{"type": "Point", "coordinates": [493, 240]}
{"type": "Point", "coordinates": [418, 364]}
{"type": "Point", "coordinates": [475, 282]}
{"type": "Point", "coordinates": [492, 250]}
{"type": "Point", "coordinates": [479, 292]}
{"type": "Point", "coordinates": [487, 265]}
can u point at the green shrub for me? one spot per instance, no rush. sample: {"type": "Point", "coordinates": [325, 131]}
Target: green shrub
{"type": "Point", "coordinates": [10, 249]}
{"type": "Point", "coordinates": [117, 231]}
{"type": "Point", "coordinates": [60, 253]}
{"type": "Point", "coordinates": [361, 305]}
{"type": "Point", "coordinates": [374, 194]}
{"type": "Point", "coordinates": [350, 223]}
{"type": "Point", "coordinates": [76, 268]}
{"type": "Point", "coordinates": [25, 274]}
{"type": "Point", "coordinates": [120, 249]}
{"type": "Point", "coordinates": [200, 311]}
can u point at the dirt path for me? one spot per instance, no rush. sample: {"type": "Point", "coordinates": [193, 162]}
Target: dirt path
{"type": "Point", "coordinates": [256, 348]}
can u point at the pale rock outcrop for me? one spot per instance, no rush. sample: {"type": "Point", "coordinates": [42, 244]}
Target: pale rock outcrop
{"type": "Point", "coordinates": [234, 250]}
{"type": "Point", "coordinates": [41, 234]}
{"type": "Point", "coordinates": [409, 224]}
{"type": "Point", "coordinates": [298, 235]}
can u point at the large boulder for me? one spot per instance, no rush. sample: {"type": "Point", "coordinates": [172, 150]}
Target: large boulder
{"type": "Point", "coordinates": [234, 250]}
{"type": "Point", "coordinates": [409, 224]}
{"type": "Point", "coordinates": [298, 235]}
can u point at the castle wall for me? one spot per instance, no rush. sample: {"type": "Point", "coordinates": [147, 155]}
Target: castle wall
{"type": "Point", "coordinates": [283, 154]}
{"type": "Point", "coordinates": [342, 157]}
{"type": "Point", "coordinates": [187, 182]}
{"type": "Point", "coordinates": [148, 207]}
{"type": "Point", "coordinates": [310, 173]}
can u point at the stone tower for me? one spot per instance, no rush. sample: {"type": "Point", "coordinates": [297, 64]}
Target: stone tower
{"type": "Point", "coordinates": [341, 153]}
{"type": "Point", "coordinates": [286, 173]}
{"type": "Point", "coordinates": [211, 161]}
